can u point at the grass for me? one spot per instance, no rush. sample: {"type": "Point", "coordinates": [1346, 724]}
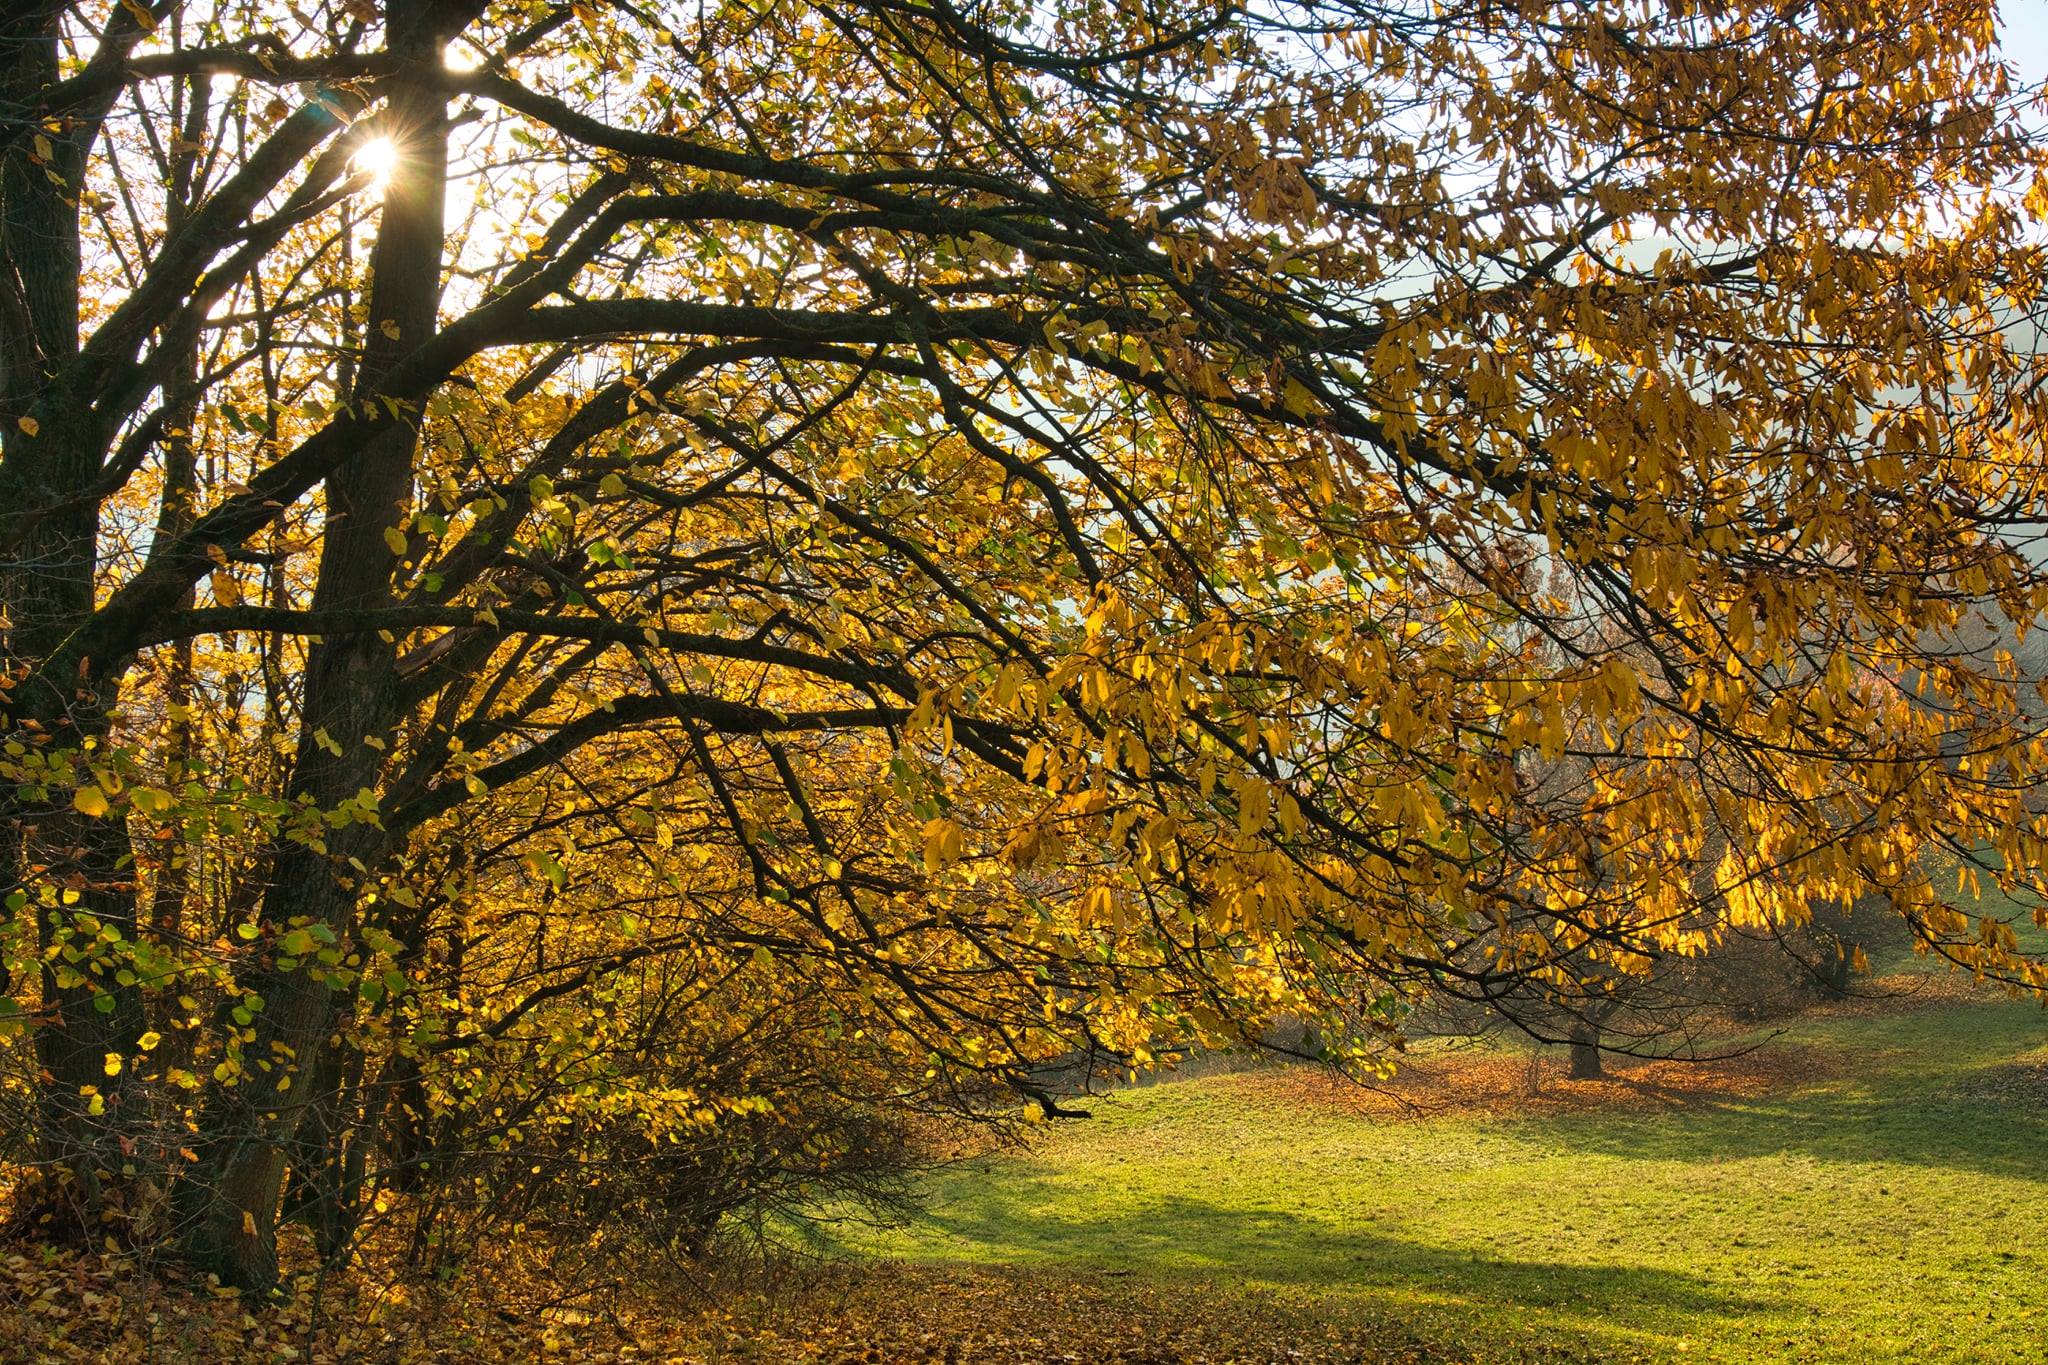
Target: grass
{"type": "Point", "coordinates": [1885, 1199]}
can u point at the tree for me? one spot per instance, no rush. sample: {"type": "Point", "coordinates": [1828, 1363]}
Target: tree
{"type": "Point", "coordinates": [1009, 522]}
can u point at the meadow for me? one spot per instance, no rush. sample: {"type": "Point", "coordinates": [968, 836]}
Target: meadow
{"type": "Point", "coordinates": [1868, 1186]}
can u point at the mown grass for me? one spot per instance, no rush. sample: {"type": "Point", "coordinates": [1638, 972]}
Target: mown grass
{"type": "Point", "coordinates": [1887, 1202]}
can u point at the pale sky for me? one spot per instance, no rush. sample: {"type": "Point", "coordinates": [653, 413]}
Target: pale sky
{"type": "Point", "coordinates": [2026, 37]}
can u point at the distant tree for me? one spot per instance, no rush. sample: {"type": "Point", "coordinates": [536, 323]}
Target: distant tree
{"type": "Point", "coordinates": [1008, 524]}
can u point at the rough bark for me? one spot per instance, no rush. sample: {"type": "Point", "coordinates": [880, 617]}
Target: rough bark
{"type": "Point", "coordinates": [72, 865]}
{"type": "Point", "coordinates": [251, 1125]}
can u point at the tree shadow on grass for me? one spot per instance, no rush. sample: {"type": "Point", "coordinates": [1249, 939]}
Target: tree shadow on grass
{"type": "Point", "coordinates": [1923, 1092]}
{"type": "Point", "coordinates": [1025, 1222]}
{"type": "Point", "coordinates": [1932, 1087]}
{"type": "Point", "coordinates": [1953, 1127]}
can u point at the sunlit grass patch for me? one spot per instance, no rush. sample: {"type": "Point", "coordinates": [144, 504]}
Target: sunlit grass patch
{"type": "Point", "coordinates": [1884, 1202]}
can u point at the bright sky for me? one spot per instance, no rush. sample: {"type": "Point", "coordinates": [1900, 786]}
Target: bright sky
{"type": "Point", "coordinates": [2026, 36]}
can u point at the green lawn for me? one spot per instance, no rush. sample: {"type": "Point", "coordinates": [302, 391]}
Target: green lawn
{"type": "Point", "coordinates": [1895, 1207]}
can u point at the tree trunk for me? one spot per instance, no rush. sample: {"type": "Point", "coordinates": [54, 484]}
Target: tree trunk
{"type": "Point", "coordinates": [1836, 967]}
{"type": "Point", "coordinates": [73, 866]}
{"type": "Point", "coordinates": [1585, 1052]}
{"type": "Point", "coordinates": [327, 1165]}
{"type": "Point", "coordinates": [230, 1202]}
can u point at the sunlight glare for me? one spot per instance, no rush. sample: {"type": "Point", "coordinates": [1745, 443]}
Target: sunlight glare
{"type": "Point", "coordinates": [379, 157]}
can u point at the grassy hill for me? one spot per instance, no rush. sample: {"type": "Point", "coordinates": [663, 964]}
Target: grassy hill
{"type": "Point", "coordinates": [1873, 1186]}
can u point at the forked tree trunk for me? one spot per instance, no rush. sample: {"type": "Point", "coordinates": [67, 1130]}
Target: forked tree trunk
{"type": "Point", "coordinates": [250, 1126]}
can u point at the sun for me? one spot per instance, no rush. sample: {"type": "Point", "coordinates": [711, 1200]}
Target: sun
{"type": "Point", "coordinates": [378, 156]}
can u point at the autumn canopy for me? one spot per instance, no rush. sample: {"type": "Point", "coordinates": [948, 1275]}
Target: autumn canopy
{"type": "Point", "coordinates": [602, 577]}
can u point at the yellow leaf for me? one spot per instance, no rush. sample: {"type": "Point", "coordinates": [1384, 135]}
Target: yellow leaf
{"type": "Point", "coordinates": [29, 425]}
{"type": "Point", "coordinates": [226, 590]}
{"type": "Point", "coordinates": [1098, 905]}
{"type": "Point", "coordinates": [1254, 804]}
{"type": "Point", "coordinates": [90, 801]}
{"type": "Point", "coordinates": [149, 1040]}
{"type": "Point", "coordinates": [113, 1064]}
{"type": "Point", "coordinates": [388, 328]}
{"type": "Point", "coordinates": [941, 844]}
{"type": "Point", "coordinates": [395, 538]}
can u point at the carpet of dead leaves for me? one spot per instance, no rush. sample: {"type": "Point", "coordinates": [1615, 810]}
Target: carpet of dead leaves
{"type": "Point", "coordinates": [101, 1308]}
{"type": "Point", "coordinates": [1483, 1080]}
{"type": "Point", "coordinates": [1478, 1082]}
